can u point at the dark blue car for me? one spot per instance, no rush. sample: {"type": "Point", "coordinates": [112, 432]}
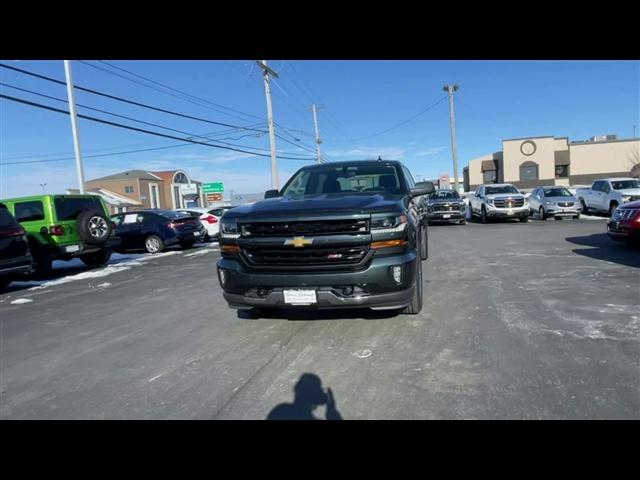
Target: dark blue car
{"type": "Point", "coordinates": [154, 230]}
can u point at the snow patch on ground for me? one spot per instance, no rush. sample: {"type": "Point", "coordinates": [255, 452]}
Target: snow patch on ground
{"type": "Point", "coordinates": [20, 301]}
{"type": "Point", "coordinates": [592, 217]}
{"type": "Point", "coordinates": [202, 251]}
{"type": "Point", "coordinates": [104, 284]}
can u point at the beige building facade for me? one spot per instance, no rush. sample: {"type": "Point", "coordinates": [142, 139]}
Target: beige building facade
{"type": "Point", "coordinates": [531, 162]}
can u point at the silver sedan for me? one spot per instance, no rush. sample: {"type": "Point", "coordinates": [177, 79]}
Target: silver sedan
{"type": "Point", "coordinates": [557, 202]}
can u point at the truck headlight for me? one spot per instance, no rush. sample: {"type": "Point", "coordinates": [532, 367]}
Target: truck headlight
{"type": "Point", "coordinates": [490, 201]}
{"type": "Point", "coordinates": [389, 224]}
{"type": "Point", "coordinates": [229, 229]}
{"type": "Point", "coordinates": [626, 198]}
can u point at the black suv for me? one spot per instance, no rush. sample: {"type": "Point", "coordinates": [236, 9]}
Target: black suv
{"type": "Point", "coordinates": [337, 235]}
{"type": "Point", "coordinates": [15, 257]}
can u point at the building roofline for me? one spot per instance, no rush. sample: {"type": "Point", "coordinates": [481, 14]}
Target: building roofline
{"type": "Point", "coordinates": [529, 138]}
{"type": "Point", "coordinates": [575, 144]}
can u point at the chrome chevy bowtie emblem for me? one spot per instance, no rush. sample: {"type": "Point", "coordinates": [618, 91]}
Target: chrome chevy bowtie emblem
{"type": "Point", "coordinates": [298, 242]}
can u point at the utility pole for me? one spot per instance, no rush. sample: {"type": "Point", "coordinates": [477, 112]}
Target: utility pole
{"type": "Point", "coordinates": [275, 182]}
{"type": "Point", "coordinates": [318, 141]}
{"type": "Point", "coordinates": [454, 144]}
{"type": "Point", "coordinates": [74, 124]}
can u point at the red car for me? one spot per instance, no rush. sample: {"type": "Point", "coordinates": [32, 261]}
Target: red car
{"type": "Point", "coordinates": [624, 224]}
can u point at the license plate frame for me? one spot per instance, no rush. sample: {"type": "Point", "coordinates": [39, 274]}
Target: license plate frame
{"type": "Point", "coordinates": [300, 296]}
{"type": "Point", "coordinates": [446, 215]}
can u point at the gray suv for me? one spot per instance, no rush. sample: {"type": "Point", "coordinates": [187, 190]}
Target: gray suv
{"type": "Point", "coordinates": [557, 202]}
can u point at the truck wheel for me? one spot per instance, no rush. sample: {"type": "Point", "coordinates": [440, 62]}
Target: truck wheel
{"type": "Point", "coordinates": [416, 301]}
{"type": "Point", "coordinates": [153, 244]}
{"type": "Point", "coordinates": [463, 222]}
{"type": "Point", "coordinates": [612, 208]}
{"type": "Point", "coordinates": [483, 216]}
{"type": "Point", "coordinates": [96, 259]}
{"type": "Point", "coordinates": [424, 244]}
{"type": "Point", "coordinates": [585, 209]}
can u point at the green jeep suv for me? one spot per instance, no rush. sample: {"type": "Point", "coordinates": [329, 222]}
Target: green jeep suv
{"type": "Point", "coordinates": [62, 227]}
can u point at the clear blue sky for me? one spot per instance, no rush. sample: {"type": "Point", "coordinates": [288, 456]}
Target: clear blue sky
{"type": "Point", "coordinates": [496, 100]}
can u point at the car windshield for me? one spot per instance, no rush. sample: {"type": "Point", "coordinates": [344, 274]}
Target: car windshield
{"type": "Point", "coordinates": [444, 194]}
{"type": "Point", "coordinates": [351, 179]}
{"type": "Point", "coordinates": [624, 184]}
{"type": "Point", "coordinates": [557, 192]}
{"type": "Point", "coordinates": [500, 189]}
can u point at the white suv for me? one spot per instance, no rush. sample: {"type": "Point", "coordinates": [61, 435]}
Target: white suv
{"type": "Point", "coordinates": [499, 200]}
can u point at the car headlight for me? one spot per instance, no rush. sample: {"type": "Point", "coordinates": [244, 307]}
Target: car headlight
{"type": "Point", "coordinates": [490, 201]}
{"type": "Point", "coordinates": [229, 229]}
{"type": "Point", "coordinates": [550, 203]}
{"type": "Point", "coordinates": [626, 198]}
{"type": "Point", "coordinates": [389, 224]}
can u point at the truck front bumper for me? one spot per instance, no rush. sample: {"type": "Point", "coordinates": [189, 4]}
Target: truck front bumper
{"type": "Point", "coordinates": [373, 287]}
{"type": "Point", "coordinates": [519, 212]}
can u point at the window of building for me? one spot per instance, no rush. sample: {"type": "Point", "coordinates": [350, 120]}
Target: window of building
{"type": "Point", "coordinates": [489, 176]}
{"type": "Point", "coordinates": [128, 189]}
{"type": "Point", "coordinates": [562, 171]}
{"type": "Point", "coordinates": [180, 178]}
{"type": "Point", "coordinates": [528, 172]}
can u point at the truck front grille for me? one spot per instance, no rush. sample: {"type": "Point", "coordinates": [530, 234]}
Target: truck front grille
{"type": "Point", "coordinates": [444, 208]}
{"type": "Point", "coordinates": [322, 227]}
{"type": "Point", "coordinates": [508, 203]}
{"type": "Point", "coordinates": [307, 257]}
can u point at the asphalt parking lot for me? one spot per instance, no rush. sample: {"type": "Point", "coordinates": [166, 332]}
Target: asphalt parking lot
{"type": "Point", "coordinates": [537, 320]}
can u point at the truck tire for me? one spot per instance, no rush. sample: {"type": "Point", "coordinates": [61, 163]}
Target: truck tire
{"type": "Point", "coordinates": [585, 209]}
{"type": "Point", "coordinates": [94, 228]}
{"type": "Point", "coordinates": [483, 215]}
{"type": "Point", "coordinates": [416, 301]}
{"type": "Point", "coordinates": [424, 243]}
{"type": "Point", "coordinates": [524, 219]}
{"type": "Point", "coordinates": [96, 259]}
{"type": "Point", "coordinates": [612, 208]}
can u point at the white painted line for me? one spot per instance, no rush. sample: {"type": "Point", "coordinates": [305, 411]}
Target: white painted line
{"type": "Point", "coordinates": [20, 301]}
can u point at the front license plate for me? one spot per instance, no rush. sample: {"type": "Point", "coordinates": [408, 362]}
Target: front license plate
{"type": "Point", "coordinates": [197, 234]}
{"type": "Point", "coordinates": [72, 248]}
{"type": "Point", "coordinates": [300, 297]}
{"type": "Point", "coordinates": [446, 215]}
{"type": "Point", "coordinates": [510, 212]}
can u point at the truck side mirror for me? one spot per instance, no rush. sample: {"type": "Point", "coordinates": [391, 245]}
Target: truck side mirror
{"type": "Point", "coordinates": [425, 188]}
{"type": "Point", "coordinates": [271, 193]}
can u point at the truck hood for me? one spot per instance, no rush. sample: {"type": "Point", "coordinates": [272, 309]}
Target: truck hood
{"type": "Point", "coordinates": [319, 205]}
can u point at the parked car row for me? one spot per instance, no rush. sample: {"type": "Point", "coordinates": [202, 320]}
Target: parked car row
{"type": "Point", "coordinates": [38, 230]}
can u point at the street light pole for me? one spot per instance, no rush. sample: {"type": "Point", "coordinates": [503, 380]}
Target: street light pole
{"type": "Point", "coordinates": [43, 185]}
{"type": "Point", "coordinates": [275, 182]}
{"type": "Point", "coordinates": [74, 124]}
{"type": "Point", "coordinates": [318, 141]}
{"type": "Point", "coordinates": [454, 144]}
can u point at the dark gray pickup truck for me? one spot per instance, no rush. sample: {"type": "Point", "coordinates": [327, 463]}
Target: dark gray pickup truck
{"type": "Point", "coordinates": [337, 235]}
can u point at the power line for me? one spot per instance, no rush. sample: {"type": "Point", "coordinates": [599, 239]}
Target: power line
{"type": "Point", "coordinates": [120, 99]}
{"type": "Point", "coordinates": [182, 93]}
{"type": "Point", "coordinates": [136, 129]}
{"type": "Point", "coordinates": [398, 125]}
{"type": "Point", "coordinates": [191, 135]}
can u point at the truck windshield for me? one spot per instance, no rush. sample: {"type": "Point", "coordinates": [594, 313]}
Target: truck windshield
{"type": "Point", "coordinates": [351, 179]}
{"type": "Point", "coordinates": [624, 184]}
{"type": "Point", "coordinates": [557, 192]}
{"type": "Point", "coordinates": [500, 189]}
{"type": "Point", "coordinates": [444, 194]}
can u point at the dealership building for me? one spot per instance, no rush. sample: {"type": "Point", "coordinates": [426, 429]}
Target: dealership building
{"type": "Point", "coordinates": [534, 161]}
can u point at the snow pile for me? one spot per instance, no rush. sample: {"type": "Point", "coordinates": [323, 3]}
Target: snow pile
{"type": "Point", "coordinates": [20, 301]}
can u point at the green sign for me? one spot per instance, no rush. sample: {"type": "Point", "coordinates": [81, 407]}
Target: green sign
{"type": "Point", "coordinates": [215, 187]}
